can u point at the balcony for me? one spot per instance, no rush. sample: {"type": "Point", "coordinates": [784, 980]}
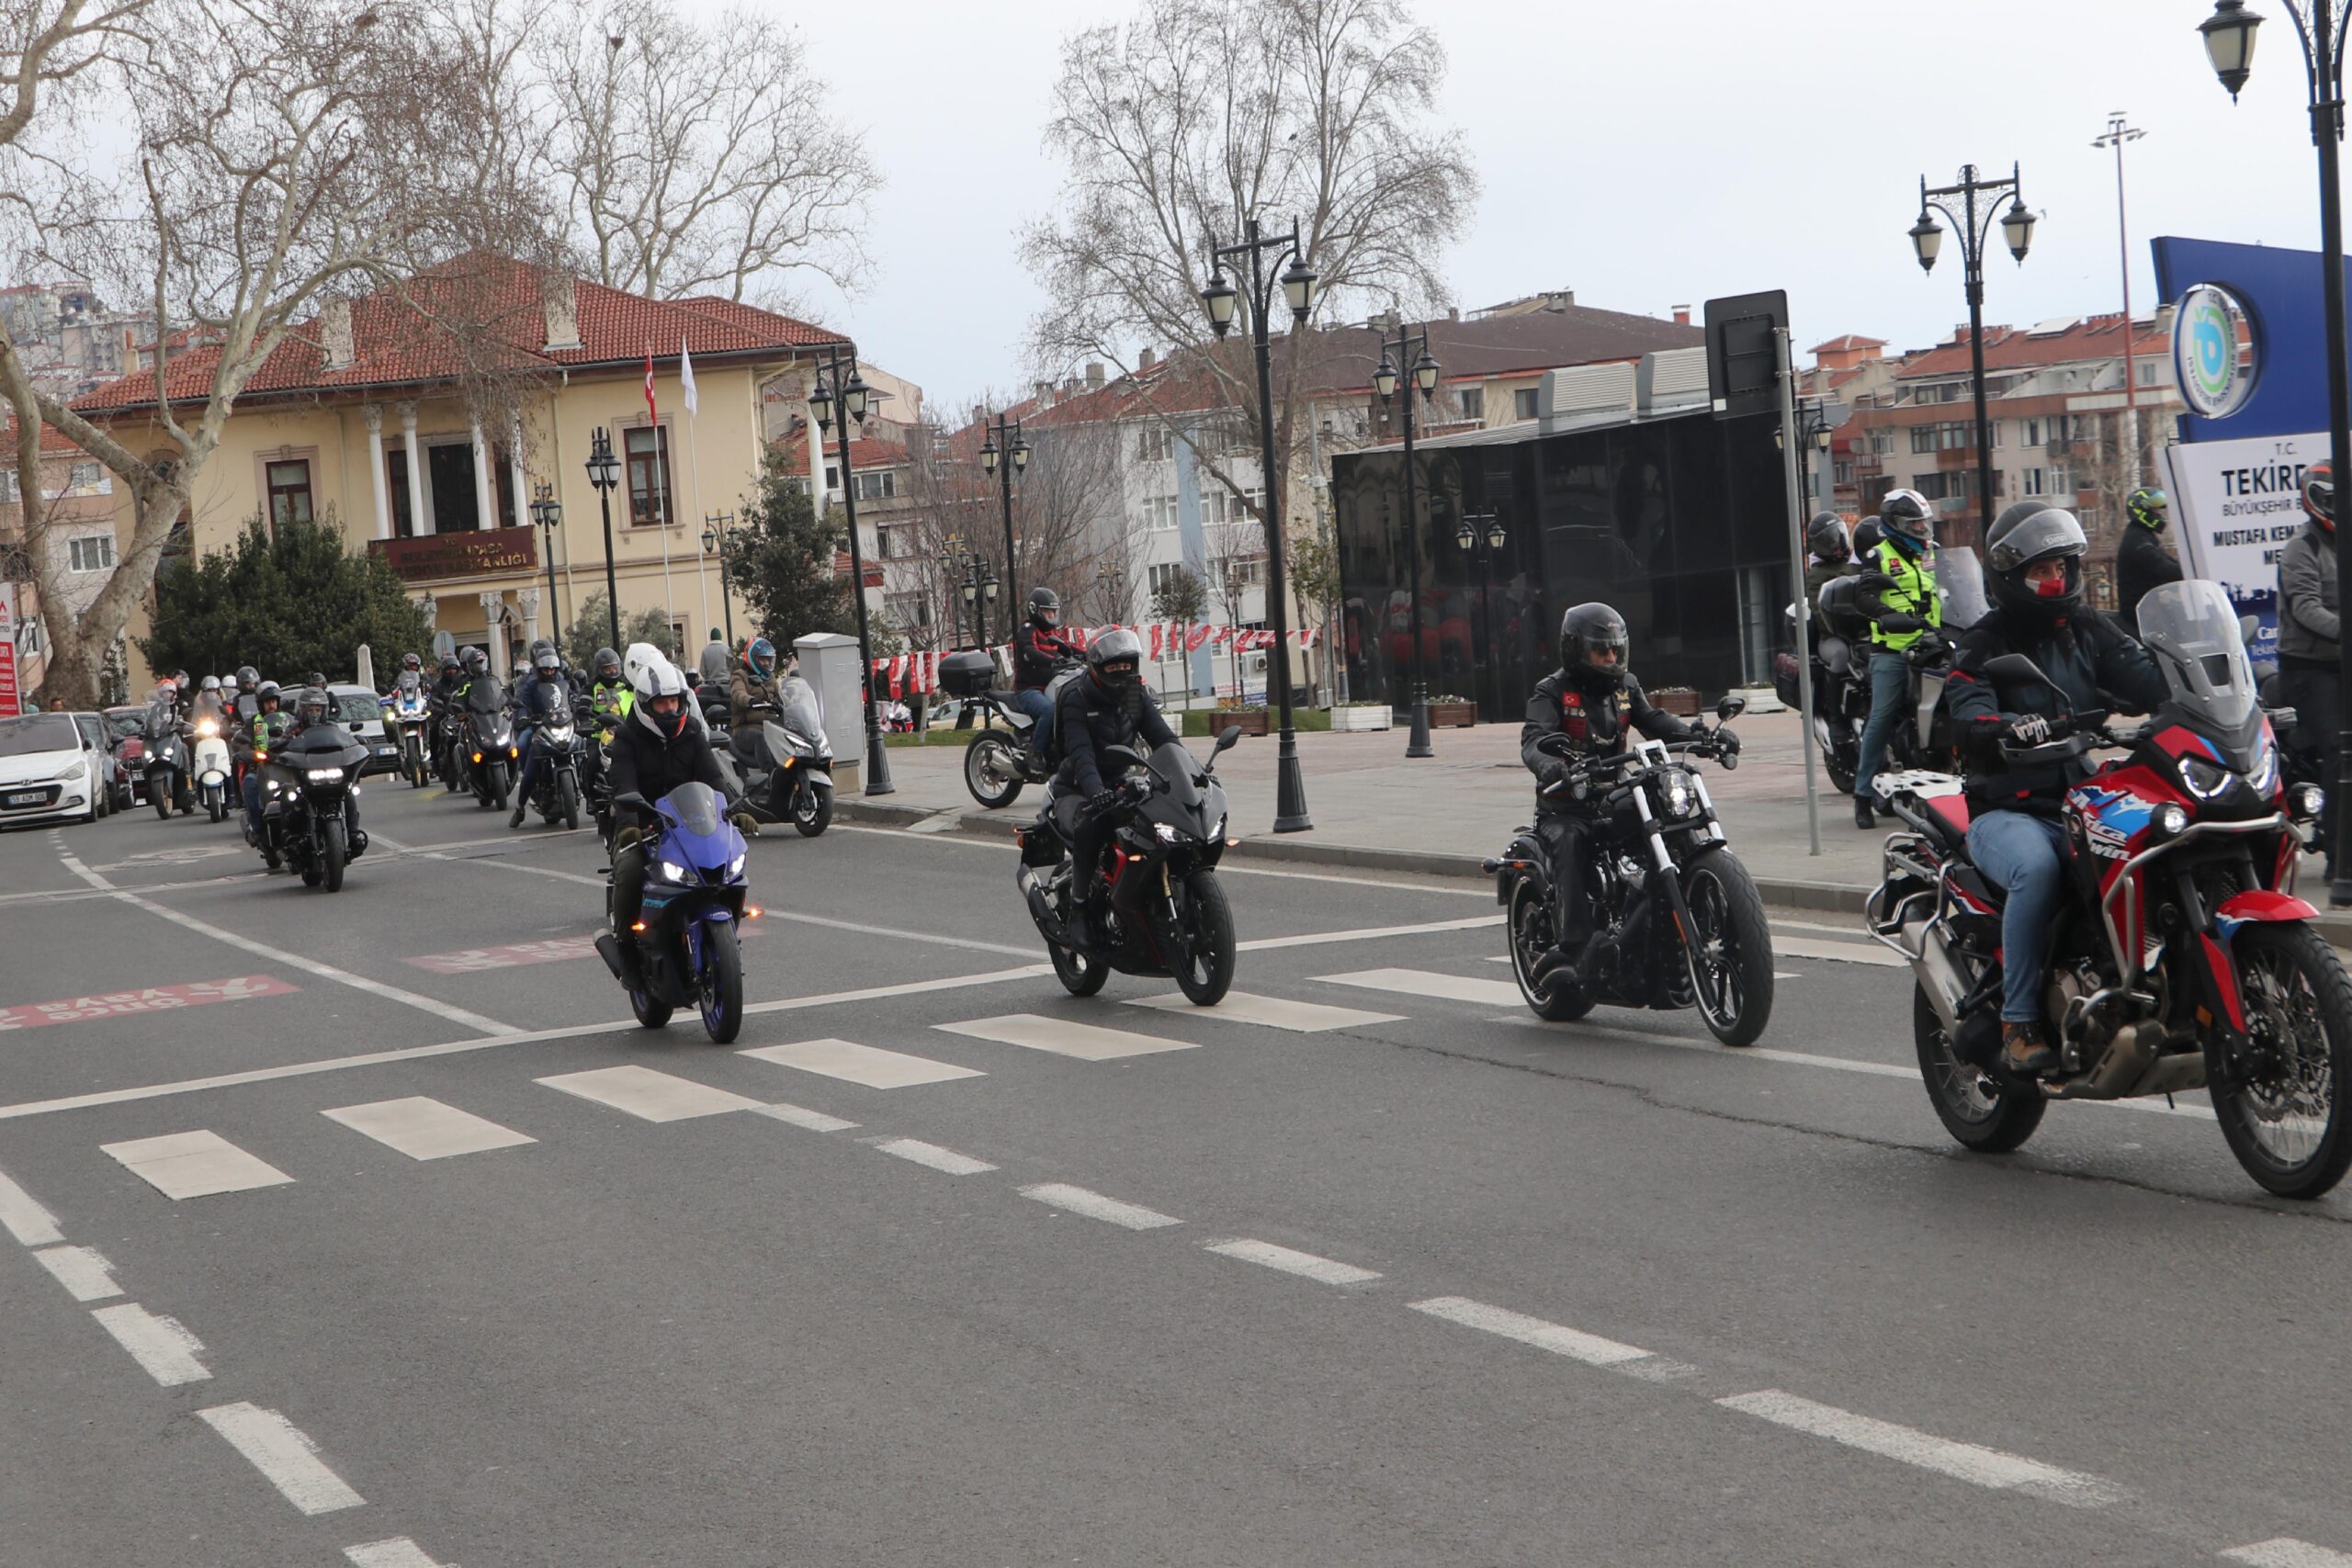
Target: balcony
{"type": "Point", "coordinates": [1953, 458]}
{"type": "Point", "coordinates": [439, 558]}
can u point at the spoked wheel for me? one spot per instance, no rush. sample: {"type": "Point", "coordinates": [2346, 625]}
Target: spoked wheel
{"type": "Point", "coordinates": [2280, 1104]}
{"type": "Point", "coordinates": [1981, 1110]}
{"type": "Point", "coordinates": [720, 988]}
{"type": "Point", "coordinates": [1531, 939]}
{"type": "Point", "coordinates": [812, 815]}
{"type": "Point", "coordinates": [1194, 931]}
{"type": "Point", "coordinates": [567, 791]}
{"type": "Point", "coordinates": [1729, 948]}
{"type": "Point", "coordinates": [332, 856]}
{"type": "Point", "coordinates": [991, 770]}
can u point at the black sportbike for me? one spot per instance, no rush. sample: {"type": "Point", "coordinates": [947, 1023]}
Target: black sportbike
{"type": "Point", "coordinates": [1681, 920]}
{"type": "Point", "coordinates": [1164, 911]}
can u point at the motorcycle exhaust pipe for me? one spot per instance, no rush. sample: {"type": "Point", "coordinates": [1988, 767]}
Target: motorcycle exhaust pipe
{"type": "Point", "coordinates": [1941, 977]}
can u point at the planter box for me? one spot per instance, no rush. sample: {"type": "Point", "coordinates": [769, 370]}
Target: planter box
{"type": "Point", "coordinates": [1253, 721]}
{"type": "Point", "coordinates": [1682, 705]}
{"type": "Point", "coordinates": [1362, 718]}
{"type": "Point", "coordinates": [1453, 715]}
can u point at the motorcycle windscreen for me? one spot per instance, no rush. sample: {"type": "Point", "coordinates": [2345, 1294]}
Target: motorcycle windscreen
{"type": "Point", "coordinates": [1175, 769]}
{"type": "Point", "coordinates": [485, 696]}
{"type": "Point", "coordinates": [1959, 580]}
{"type": "Point", "coordinates": [159, 718]}
{"type": "Point", "coordinates": [326, 746]}
{"type": "Point", "coordinates": [2192, 628]}
{"type": "Point", "coordinates": [800, 714]}
{"type": "Point", "coordinates": [695, 807]}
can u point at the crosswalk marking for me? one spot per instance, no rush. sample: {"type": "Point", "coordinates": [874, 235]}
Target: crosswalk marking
{"type": "Point", "coordinates": [797, 1116]}
{"type": "Point", "coordinates": [398, 1552]}
{"type": "Point", "coordinates": [423, 1128]}
{"type": "Point", "coordinates": [1836, 952]}
{"type": "Point", "coordinates": [194, 1165]}
{"type": "Point", "coordinates": [2286, 1551]}
{"type": "Point", "coordinates": [919, 1153]}
{"type": "Point", "coordinates": [1428, 983]}
{"type": "Point", "coordinates": [1064, 1037]}
{"type": "Point", "coordinates": [852, 1063]}
{"type": "Point", "coordinates": [1273, 1012]}
{"type": "Point", "coordinates": [166, 1351]}
{"type": "Point", "coordinates": [1094, 1206]}
{"type": "Point", "coordinates": [82, 1271]}
{"type": "Point", "coordinates": [648, 1095]}
{"type": "Point", "coordinates": [1962, 1461]}
{"type": "Point", "coordinates": [284, 1454]}
{"type": "Point", "coordinates": [1325, 1270]}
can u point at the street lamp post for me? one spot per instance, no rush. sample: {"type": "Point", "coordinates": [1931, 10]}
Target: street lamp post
{"type": "Point", "coordinates": [1473, 528]}
{"type": "Point", "coordinates": [1423, 372]}
{"type": "Point", "coordinates": [718, 528]}
{"type": "Point", "coordinates": [2321, 26]}
{"type": "Point", "coordinates": [547, 512]}
{"type": "Point", "coordinates": [841, 366]}
{"type": "Point", "coordinates": [603, 473]}
{"type": "Point", "coordinates": [1974, 218]}
{"type": "Point", "coordinates": [1298, 289]}
{"type": "Point", "coordinates": [1005, 440]}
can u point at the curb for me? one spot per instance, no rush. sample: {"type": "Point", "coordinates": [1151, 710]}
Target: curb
{"type": "Point", "coordinates": [1785, 893]}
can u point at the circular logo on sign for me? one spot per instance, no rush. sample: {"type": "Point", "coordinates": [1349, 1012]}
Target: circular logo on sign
{"type": "Point", "coordinates": [2207, 338]}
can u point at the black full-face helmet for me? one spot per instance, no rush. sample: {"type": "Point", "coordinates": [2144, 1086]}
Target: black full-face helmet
{"type": "Point", "coordinates": [1045, 606]}
{"type": "Point", "coordinates": [1826, 536]}
{"type": "Point", "coordinates": [605, 665]}
{"type": "Point", "coordinates": [1594, 646]}
{"type": "Point", "coordinates": [2028, 535]}
{"type": "Point", "coordinates": [1115, 657]}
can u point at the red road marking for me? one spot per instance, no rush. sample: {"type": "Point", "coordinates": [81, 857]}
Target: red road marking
{"type": "Point", "coordinates": [151, 999]}
{"type": "Point", "coordinates": [555, 950]}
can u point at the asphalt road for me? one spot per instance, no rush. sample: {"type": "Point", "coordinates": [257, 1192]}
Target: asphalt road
{"type": "Point", "coordinates": [1366, 1267]}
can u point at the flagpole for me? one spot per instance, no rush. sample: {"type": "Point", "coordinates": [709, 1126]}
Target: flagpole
{"type": "Point", "coordinates": [661, 494]}
{"type": "Point", "coordinates": [693, 462]}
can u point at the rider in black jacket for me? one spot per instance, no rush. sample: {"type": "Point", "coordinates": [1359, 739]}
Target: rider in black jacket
{"type": "Point", "coordinates": [2034, 555]}
{"type": "Point", "coordinates": [1039, 645]}
{"type": "Point", "coordinates": [2142, 562]}
{"type": "Point", "coordinates": [1110, 707]}
{"type": "Point", "coordinates": [654, 752]}
{"type": "Point", "coordinates": [1594, 701]}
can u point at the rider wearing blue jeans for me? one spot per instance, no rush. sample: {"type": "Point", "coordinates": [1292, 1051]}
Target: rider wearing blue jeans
{"type": "Point", "coordinates": [2034, 561]}
{"type": "Point", "coordinates": [1038, 647]}
{"type": "Point", "coordinates": [538, 696]}
{"type": "Point", "coordinates": [1899, 595]}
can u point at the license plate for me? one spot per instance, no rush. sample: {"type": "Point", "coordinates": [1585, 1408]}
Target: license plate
{"type": "Point", "coordinates": [26, 798]}
{"type": "Point", "coordinates": [384, 750]}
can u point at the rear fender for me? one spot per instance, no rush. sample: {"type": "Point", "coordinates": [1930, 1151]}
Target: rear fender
{"type": "Point", "coordinates": [1525, 860]}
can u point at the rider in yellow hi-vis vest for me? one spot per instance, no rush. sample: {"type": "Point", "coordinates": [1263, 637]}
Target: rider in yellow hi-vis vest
{"type": "Point", "coordinates": [1901, 599]}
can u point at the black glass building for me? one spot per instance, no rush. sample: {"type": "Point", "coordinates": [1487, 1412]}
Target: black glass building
{"type": "Point", "coordinates": [1676, 519]}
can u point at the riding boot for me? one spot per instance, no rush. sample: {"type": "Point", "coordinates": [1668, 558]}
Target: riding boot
{"type": "Point", "coordinates": [1863, 818]}
{"type": "Point", "coordinates": [515, 817]}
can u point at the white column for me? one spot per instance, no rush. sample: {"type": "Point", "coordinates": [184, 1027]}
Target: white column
{"type": "Point", "coordinates": [515, 470]}
{"type": "Point", "coordinates": [486, 515]}
{"type": "Point", "coordinates": [374, 416]}
{"type": "Point", "coordinates": [528, 600]}
{"type": "Point", "coordinates": [493, 633]}
{"type": "Point", "coordinates": [420, 518]}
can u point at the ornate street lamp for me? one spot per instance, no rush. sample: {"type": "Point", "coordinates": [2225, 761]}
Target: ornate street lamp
{"type": "Point", "coordinates": [719, 527]}
{"type": "Point", "coordinates": [1974, 218]}
{"type": "Point", "coordinates": [547, 512]}
{"type": "Point", "coordinates": [855, 396]}
{"type": "Point", "coordinates": [603, 473]}
{"type": "Point", "coordinates": [1004, 438]}
{"type": "Point", "coordinates": [1384, 381]}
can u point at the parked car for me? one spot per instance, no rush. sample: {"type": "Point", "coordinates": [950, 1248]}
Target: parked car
{"type": "Point", "coordinates": [48, 771]}
{"type": "Point", "coordinates": [361, 711]}
{"type": "Point", "coordinates": [98, 736]}
{"type": "Point", "coordinates": [129, 728]}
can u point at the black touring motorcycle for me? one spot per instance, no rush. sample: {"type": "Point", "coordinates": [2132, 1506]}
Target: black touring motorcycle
{"type": "Point", "coordinates": [1682, 920]}
{"type": "Point", "coordinates": [306, 820]}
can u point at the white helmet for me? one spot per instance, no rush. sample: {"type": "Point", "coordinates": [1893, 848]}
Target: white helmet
{"type": "Point", "coordinates": [651, 676]}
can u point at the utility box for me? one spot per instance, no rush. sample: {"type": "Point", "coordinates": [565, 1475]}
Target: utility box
{"type": "Point", "coordinates": [829, 663]}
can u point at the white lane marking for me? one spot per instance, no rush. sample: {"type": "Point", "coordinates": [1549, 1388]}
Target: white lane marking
{"type": "Point", "coordinates": [1962, 1461]}
{"type": "Point", "coordinates": [460, 1047]}
{"type": "Point", "coordinates": [423, 1128]}
{"type": "Point", "coordinates": [82, 1271]}
{"type": "Point", "coordinates": [1324, 1271]}
{"type": "Point", "coordinates": [1094, 1206]}
{"type": "Point", "coordinates": [27, 1220]}
{"type": "Point", "coordinates": [194, 1165]}
{"type": "Point", "coordinates": [2286, 1551]}
{"type": "Point", "coordinates": [284, 1454]}
{"type": "Point", "coordinates": [1776, 974]}
{"type": "Point", "coordinates": [852, 1063]}
{"type": "Point", "coordinates": [932, 1154]}
{"type": "Point", "coordinates": [1837, 952]}
{"type": "Point", "coordinates": [651, 1096]}
{"type": "Point", "coordinates": [1558, 1338]}
{"type": "Point", "coordinates": [165, 1350]}
{"type": "Point", "coordinates": [797, 1116]}
{"type": "Point", "coordinates": [1366, 934]}
{"type": "Point", "coordinates": [1272, 1013]}
{"type": "Point", "coordinates": [423, 1003]}
{"type": "Point", "coordinates": [1428, 983]}
{"type": "Point", "coordinates": [398, 1552]}
{"type": "Point", "coordinates": [1447, 886]}
{"type": "Point", "coordinates": [1064, 1037]}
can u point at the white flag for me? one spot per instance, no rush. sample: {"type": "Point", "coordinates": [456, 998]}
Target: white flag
{"type": "Point", "coordinates": [686, 373]}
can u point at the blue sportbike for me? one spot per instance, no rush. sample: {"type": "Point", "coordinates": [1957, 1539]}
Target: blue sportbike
{"type": "Point", "coordinates": [695, 897]}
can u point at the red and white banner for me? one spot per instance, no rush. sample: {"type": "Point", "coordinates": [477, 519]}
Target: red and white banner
{"type": "Point", "coordinates": [151, 999]}
{"type": "Point", "coordinates": [11, 704]}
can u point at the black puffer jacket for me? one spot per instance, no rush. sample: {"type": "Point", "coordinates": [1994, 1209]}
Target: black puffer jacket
{"type": "Point", "coordinates": [1091, 721]}
{"type": "Point", "coordinates": [2142, 563]}
{"type": "Point", "coordinates": [640, 761]}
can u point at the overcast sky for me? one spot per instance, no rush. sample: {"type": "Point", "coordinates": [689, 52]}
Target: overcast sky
{"type": "Point", "coordinates": [1645, 155]}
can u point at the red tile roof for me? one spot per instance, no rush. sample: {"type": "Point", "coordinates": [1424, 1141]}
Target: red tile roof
{"type": "Point", "coordinates": [865, 452]}
{"type": "Point", "coordinates": [2006, 348]}
{"type": "Point", "coordinates": [54, 443]}
{"type": "Point", "coordinates": [478, 314]}
{"type": "Point", "coordinates": [1846, 343]}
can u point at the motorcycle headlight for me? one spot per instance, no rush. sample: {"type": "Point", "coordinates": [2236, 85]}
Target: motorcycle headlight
{"type": "Point", "coordinates": [2264, 774]}
{"type": "Point", "coordinates": [1168, 835]}
{"type": "Point", "coordinates": [1680, 801]}
{"type": "Point", "coordinates": [2171, 821]}
{"type": "Point", "coordinates": [673, 871]}
{"type": "Point", "coordinates": [207, 729]}
{"type": "Point", "coordinates": [2205, 780]}
{"type": "Point", "coordinates": [322, 775]}
{"type": "Point", "coordinates": [735, 866]}
{"type": "Point", "coordinates": [2307, 801]}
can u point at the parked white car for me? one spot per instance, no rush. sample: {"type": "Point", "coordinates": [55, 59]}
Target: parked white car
{"type": "Point", "coordinates": [48, 771]}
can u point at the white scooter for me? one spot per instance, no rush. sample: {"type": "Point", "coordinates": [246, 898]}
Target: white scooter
{"type": "Point", "coordinates": [211, 767]}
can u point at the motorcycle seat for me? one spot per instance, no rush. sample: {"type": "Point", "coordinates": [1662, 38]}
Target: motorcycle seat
{"type": "Point", "coordinates": [1948, 813]}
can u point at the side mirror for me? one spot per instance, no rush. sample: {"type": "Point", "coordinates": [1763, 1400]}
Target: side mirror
{"type": "Point", "coordinates": [1230, 739]}
{"type": "Point", "coordinates": [1730, 708]}
{"type": "Point", "coordinates": [631, 799]}
{"type": "Point", "coordinates": [2015, 667]}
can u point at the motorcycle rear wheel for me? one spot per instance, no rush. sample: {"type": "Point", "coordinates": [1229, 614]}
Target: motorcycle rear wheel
{"type": "Point", "coordinates": [1082, 974]}
{"type": "Point", "coordinates": [2287, 1126]}
{"type": "Point", "coordinates": [1530, 935]}
{"type": "Point", "coordinates": [991, 770]}
{"type": "Point", "coordinates": [1981, 1111]}
{"type": "Point", "coordinates": [1730, 950]}
{"type": "Point", "coordinates": [217, 803]}
{"type": "Point", "coordinates": [719, 989]}
{"type": "Point", "coordinates": [331, 856]}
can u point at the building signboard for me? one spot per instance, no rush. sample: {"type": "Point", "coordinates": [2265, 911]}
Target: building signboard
{"type": "Point", "coordinates": [2213, 367]}
{"type": "Point", "coordinates": [486, 553]}
{"type": "Point", "coordinates": [2238, 503]}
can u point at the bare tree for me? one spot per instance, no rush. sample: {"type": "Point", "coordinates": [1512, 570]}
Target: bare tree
{"type": "Point", "coordinates": [697, 158]}
{"type": "Point", "coordinates": [289, 153]}
{"type": "Point", "coordinates": [1199, 115]}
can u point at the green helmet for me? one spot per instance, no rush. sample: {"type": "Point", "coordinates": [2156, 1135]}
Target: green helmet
{"type": "Point", "coordinates": [2149, 507]}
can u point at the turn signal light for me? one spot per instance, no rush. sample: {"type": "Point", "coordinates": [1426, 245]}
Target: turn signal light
{"type": "Point", "coordinates": [636, 925]}
{"type": "Point", "coordinates": [753, 913]}
{"type": "Point", "coordinates": [512, 752]}
{"type": "Point", "coordinates": [477, 756]}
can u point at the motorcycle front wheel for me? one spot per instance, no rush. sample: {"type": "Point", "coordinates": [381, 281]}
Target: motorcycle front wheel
{"type": "Point", "coordinates": [568, 788]}
{"type": "Point", "coordinates": [1981, 1111]}
{"type": "Point", "coordinates": [1729, 948]}
{"type": "Point", "coordinates": [161, 796]}
{"type": "Point", "coordinates": [217, 802]}
{"type": "Point", "coordinates": [991, 769]}
{"type": "Point", "coordinates": [498, 786]}
{"type": "Point", "coordinates": [719, 988]}
{"type": "Point", "coordinates": [1196, 935]}
{"type": "Point", "coordinates": [332, 856]}
{"type": "Point", "coordinates": [2281, 1105]}
{"type": "Point", "coordinates": [1530, 934]}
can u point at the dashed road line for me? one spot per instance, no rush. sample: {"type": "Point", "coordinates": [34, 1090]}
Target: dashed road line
{"type": "Point", "coordinates": [398, 1552]}
{"type": "Point", "coordinates": [1269, 1012]}
{"type": "Point", "coordinates": [1837, 952]}
{"type": "Point", "coordinates": [2285, 1552]}
{"type": "Point", "coordinates": [423, 1128]}
{"type": "Point", "coordinates": [1961, 1461]}
{"type": "Point", "coordinates": [27, 1220]}
{"type": "Point", "coordinates": [82, 1271]}
{"type": "Point", "coordinates": [1558, 1338]}
{"type": "Point", "coordinates": [284, 1454]}
{"type": "Point", "coordinates": [194, 1165]}
{"type": "Point", "coordinates": [852, 1063]}
{"type": "Point", "coordinates": [802, 1116]}
{"type": "Point", "coordinates": [1094, 1206]}
{"type": "Point", "coordinates": [1305, 1265]}
{"type": "Point", "coordinates": [164, 1350]}
{"type": "Point", "coordinates": [1428, 983]}
{"type": "Point", "coordinates": [919, 1153]}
